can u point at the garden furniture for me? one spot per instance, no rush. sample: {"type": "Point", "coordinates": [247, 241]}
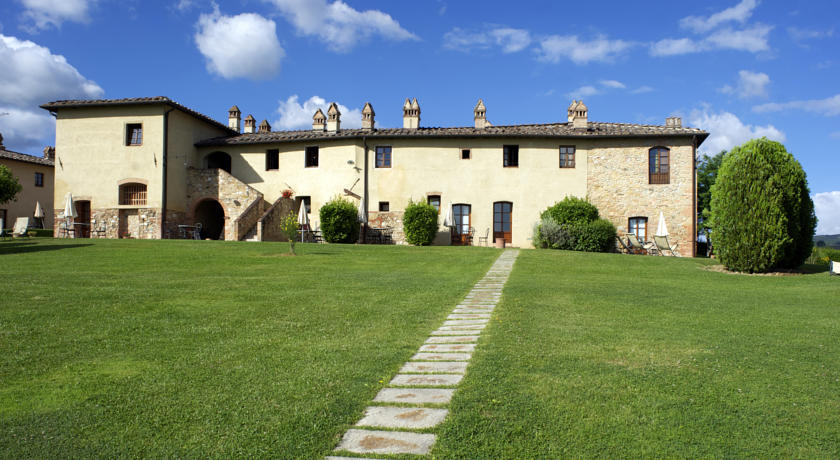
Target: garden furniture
{"type": "Point", "coordinates": [662, 244]}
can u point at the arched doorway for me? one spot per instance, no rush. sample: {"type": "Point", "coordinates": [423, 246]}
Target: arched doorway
{"type": "Point", "coordinates": [210, 214]}
{"type": "Point", "coordinates": [220, 160]}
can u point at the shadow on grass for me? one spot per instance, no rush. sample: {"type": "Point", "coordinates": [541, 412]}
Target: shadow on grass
{"type": "Point", "coordinates": [23, 247]}
{"type": "Point", "coordinates": [810, 269]}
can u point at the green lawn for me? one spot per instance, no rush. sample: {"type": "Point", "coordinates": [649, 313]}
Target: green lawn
{"type": "Point", "coordinates": [608, 356]}
{"type": "Point", "coordinates": [211, 349]}
{"type": "Point", "coordinates": [208, 349]}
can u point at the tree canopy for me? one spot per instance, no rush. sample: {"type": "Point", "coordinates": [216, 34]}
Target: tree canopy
{"type": "Point", "coordinates": [9, 185]}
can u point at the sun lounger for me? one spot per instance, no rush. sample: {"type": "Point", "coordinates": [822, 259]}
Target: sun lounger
{"type": "Point", "coordinates": [662, 244]}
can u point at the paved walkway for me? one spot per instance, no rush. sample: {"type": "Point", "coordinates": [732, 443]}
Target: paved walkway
{"type": "Point", "coordinates": [417, 397]}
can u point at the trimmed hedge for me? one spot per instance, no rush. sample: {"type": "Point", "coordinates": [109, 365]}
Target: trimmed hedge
{"type": "Point", "coordinates": [339, 221]}
{"type": "Point", "coordinates": [573, 225]}
{"type": "Point", "coordinates": [420, 223]}
{"type": "Point", "coordinates": [762, 213]}
{"type": "Point", "coordinates": [571, 210]}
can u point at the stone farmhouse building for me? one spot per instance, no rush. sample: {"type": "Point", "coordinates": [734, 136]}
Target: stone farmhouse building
{"type": "Point", "coordinates": [131, 159]}
{"type": "Point", "coordinates": [35, 175]}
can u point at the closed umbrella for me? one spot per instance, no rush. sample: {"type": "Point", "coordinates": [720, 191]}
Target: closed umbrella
{"type": "Point", "coordinates": [303, 219]}
{"type": "Point", "coordinates": [362, 213]}
{"type": "Point", "coordinates": [449, 219]}
{"type": "Point", "coordinates": [39, 214]}
{"type": "Point", "coordinates": [661, 228]}
{"type": "Point", "coordinates": [69, 211]}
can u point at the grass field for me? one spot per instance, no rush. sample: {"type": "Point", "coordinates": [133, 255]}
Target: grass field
{"type": "Point", "coordinates": [210, 349]}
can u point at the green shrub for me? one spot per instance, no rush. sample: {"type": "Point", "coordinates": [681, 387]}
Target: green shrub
{"type": "Point", "coordinates": [548, 234]}
{"type": "Point", "coordinates": [339, 221]}
{"type": "Point", "coordinates": [290, 228]}
{"type": "Point", "coordinates": [571, 210]}
{"type": "Point", "coordinates": [420, 223]}
{"type": "Point", "coordinates": [762, 213]}
{"type": "Point", "coordinates": [596, 236]}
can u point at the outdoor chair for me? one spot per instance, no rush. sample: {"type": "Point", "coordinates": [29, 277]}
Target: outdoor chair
{"type": "Point", "coordinates": [100, 230]}
{"type": "Point", "coordinates": [637, 246]}
{"type": "Point", "coordinates": [197, 231]}
{"type": "Point", "coordinates": [485, 237]}
{"type": "Point", "coordinates": [21, 227]}
{"type": "Point", "coordinates": [622, 248]}
{"type": "Point", "coordinates": [471, 236]}
{"type": "Point", "coordinates": [662, 244]}
{"type": "Point", "coordinates": [833, 268]}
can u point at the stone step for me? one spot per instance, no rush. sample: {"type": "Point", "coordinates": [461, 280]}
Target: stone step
{"type": "Point", "coordinates": [386, 442]}
{"type": "Point", "coordinates": [471, 311]}
{"type": "Point", "coordinates": [412, 418]}
{"type": "Point", "coordinates": [449, 348]}
{"type": "Point", "coordinates": [443, 367]}
{"type": "Point", "coordinates": [462, 332]}
{"type": "Point", "coordinates": [415, 395]}
{"type": "Point", "coordinates": [426, 380]}
{"type": "Point", "coordinates": [441, 356]}
{"type": "Point", "coordinates": [463, 327]}
{"type": "Point", "coordinates": [461, 322]}
{"type": "Point", "coordinates": [453, 339]}
{"type": "Point", "coordinates": [468, 316]}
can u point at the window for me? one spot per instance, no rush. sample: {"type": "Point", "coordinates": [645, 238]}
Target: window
{"type": "Point", "coordinates": [511, 156]}
{"type": "Point", "coordinates": [567, 156]}
{"type": "Point", "coordinates": [312, 157]}
{"type": "Point", "coordinates": [466, 154]}
{"type": "Point", "coordinates": [134, 134]}
{"type": "Point", "coordinates": [434, 200]}
{"type": "Point", "coordinates": [638, 226]}
{"type": "Point", "coordinates": [39, 179]}
{"type": "Point", "coordinates": [659, 166]}
{"type": "Point", "coordinates": [272, 159]}
{"type": "Point", "coordinates": [383, 157]}
{"type": "Point", "coordinates": [384, 206]}
{"type": "Point", "coordinates": [133, 194]}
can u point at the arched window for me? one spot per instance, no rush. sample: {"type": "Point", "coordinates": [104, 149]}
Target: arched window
{"type": "Point", "coordinates": [133, 194]}
{"type": "Point", "coordinates": [659, 165]}
{"type": "Point", "coordinates": [220, 160]}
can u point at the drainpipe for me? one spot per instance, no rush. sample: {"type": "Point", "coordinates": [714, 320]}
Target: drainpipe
{"type": "Point", "coordinates": [365, 192]}
{"type": "Point", "coordinates": [164, 154]}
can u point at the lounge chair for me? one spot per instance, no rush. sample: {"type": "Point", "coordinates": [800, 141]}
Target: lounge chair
{"type": "Point", "coordinates": [636, 246]}
{"type": "Point", "coordinates": [21, 227]}
{"type": "Point", "coordinates": [622, 248]}
{"type": "Point", "coordinates": [662, 244]}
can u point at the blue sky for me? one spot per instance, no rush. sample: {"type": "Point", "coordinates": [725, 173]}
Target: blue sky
{"type": "Point", "coordinates": [737, 68]}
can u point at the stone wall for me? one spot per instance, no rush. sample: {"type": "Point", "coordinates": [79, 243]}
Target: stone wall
{"type": "Point", "coordinates": [268, 227]}
{"type": "Point", "coordinates": [618, 184]}
{"type": "Point", "coordinates": [234, 195]}
{"type": "Point", "coordinates": [393, 221]}
{"type": "Point", "coordinates": [136, 223]}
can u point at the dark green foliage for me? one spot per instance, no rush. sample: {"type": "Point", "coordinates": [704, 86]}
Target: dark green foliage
{"type": "Point", "coordinates": [571, 210]}
{"type": "Point", "coordinates": [9, 185]}
{"type": "Point", "coordinates": [420, 223]}
{"type": "Point", "coordinates": [573, 224]}
{"type": "Point", "coordinates": [762, 213]}
{"type": "Point", "coordinates": [707, 170]}
{"type": "Point", "coordinates": [339, 221]}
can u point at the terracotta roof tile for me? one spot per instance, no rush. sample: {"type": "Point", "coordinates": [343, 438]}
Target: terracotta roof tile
{"type": "Point", "coordinates": [25, 158]}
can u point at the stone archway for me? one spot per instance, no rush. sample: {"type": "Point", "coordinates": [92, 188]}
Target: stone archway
{"type": "Point", "coordinates": [211, 215]}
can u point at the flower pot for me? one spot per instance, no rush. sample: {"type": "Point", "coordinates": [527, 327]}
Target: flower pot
{"type": "Point", "coordinates": [500, 243]}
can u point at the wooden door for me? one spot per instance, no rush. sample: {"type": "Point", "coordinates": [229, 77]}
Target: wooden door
{"type": "Point", "coordinates": [502, 211]}
{"type": "Point", "coordinates": [83, 218]}
{"type": "Point", "coordinates": [462, 214]}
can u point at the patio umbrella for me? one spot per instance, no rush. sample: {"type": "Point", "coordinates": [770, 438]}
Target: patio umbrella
{"type": "Point", "coordinates": [449, 219]}
{"type": "Point", "coordinates": [303, 218]}
{"type": "Point", "coordinates": [362, 213]}
{"type": "Point", "coordinates": [661, 228]}
{"type": "Point", "coordinates": [39, 213]}
{"type": "Point", "coordinates": [69, 209]}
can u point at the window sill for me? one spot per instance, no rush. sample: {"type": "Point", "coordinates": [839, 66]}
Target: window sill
{"type": "Point", "coordinates": [514, 167]}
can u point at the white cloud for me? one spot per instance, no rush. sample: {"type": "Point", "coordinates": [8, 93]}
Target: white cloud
{"type": "Point", "coordinates": [827, 209]}
{"type": "Point", "coordinates": [726, 130]}
{"type": "Point", "coordinates": [750, 84]}
{"type": "Point", "coordinates": [338, 25]}
{"type": "Point", "coordinates": [675, 46]}
{"type": "Point", "coordinates": [613, 84]}
{"type": "Point", "coordinates": [508, 39]}
{"type": "Point", "coordinates": [583, 91]}
{"type": "Point", "coordinates": [31, 76]}
{"type": "Point", "coordinates": [738, 13]}
{"type": "Point", "coordinates": [829, 106]}
{"type": "Point", "coordinates": [642, 90]}
{"type": "Point", "coordinates": [557, 47]}
{"type": "Point", "coordinates": [753, 40]}
{"type": "Point", "coordinates": [46, 13]}
{"type": "Point", "coordinates": [294, 115]}
{"type": "Point", "coordinates": [244, 45]}
{"type": "Point", "coordinates": [799, 35]}
{"type": "Point", "coordinates": [835, 135]}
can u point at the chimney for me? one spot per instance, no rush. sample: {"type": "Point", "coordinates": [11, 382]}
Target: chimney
{"type": "Point", "coordinates": [319, 121]}
{"type": "Point", "coordinates": [411, 114]}
{"type": "Point", "coordinates": [673, 122]}
{"type": "Point", "coordinates": [250, 124]}
{"type": "Point", "coordinates": [480, 113]}
{"type": "Point", "coordinates": [368, 122]}
{"type": "Point", "coordinates": [578, 115]}
{"type": "Point", "coordinates": [234, 118]}
{"type": "Point", "coordinates": [49, 152]}
{"type": "Point", "coordinates": [264, 127]}
{"type": "Point", "coordinates": [333, 118]}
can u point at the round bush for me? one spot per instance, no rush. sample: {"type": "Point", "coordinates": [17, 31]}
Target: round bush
{"type": "Point", "coordinates": [571, 210]}
{"type": "Point", "coordinates": [420, 223]}
{"type": "Point", "coordinates": [339, 221]}
{"type": "Point", "coordinates": [596, 236]}
{"type": "Point", "coordinates": [762, 213]}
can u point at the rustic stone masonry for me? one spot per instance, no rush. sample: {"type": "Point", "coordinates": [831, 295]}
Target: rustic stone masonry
{"type": "Point", "coordinates": [392, 220]}
{"type": "Point", "coordinates": [268, 227]}
{"type": "Point", "coordinates": [123, 222]}
{"type": "Point", "coordinates": [234, 195]}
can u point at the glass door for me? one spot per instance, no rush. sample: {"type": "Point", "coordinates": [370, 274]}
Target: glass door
{"type": "Point", "coordinates": [502, 211]}
{"type": "Point", "coordinates": [461, 231]}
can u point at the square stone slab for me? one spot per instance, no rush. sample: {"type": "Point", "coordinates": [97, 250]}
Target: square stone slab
{"type": "Point", "coordinates": [443, 367]}
{"type": "Point", "coordinates": [426, 380]}
{"type": "Point", "coordinates": [453, 339]}
{"type": "Point", "coordinates": [412, 418]}
{"type": "Point", "coordinates": [444, 348]}
{"type": "Point", "coordinates": [476, 305]}
{"type": "Point", "coordinates": [460, 322]}
{"type": "Point", "coordinates": [415, 395]}
{"type": "Point", "coordinates": [468, 316]}
{"type": "Point", "coordinates": [445, 332]}
{"type": "Point", "coordinates": [470, 311]}
{"type": "Point", "coordinates": [441, 356]}
{"type": "Point", "coordinates": [386, 442]}
{"type": "Point", "coordinates": [332, 457]}
{"type": "Point", "coordinates": [463, 327]}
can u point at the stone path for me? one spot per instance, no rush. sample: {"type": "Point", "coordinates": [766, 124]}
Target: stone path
{"type": "Point", "coordinates": [416, 397]}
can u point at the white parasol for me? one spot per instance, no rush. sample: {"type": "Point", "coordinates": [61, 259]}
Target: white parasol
{"type": "Point", "coordinates": [661, 228]}
{"type": "Point", "coordinates": [449, 219]}
{"type": "Point", "coordinates": [362, 213]}
{"type": "Point", "coordinates": [69, 209]}
{"type": "Point", "coordinates": [303, 218]}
